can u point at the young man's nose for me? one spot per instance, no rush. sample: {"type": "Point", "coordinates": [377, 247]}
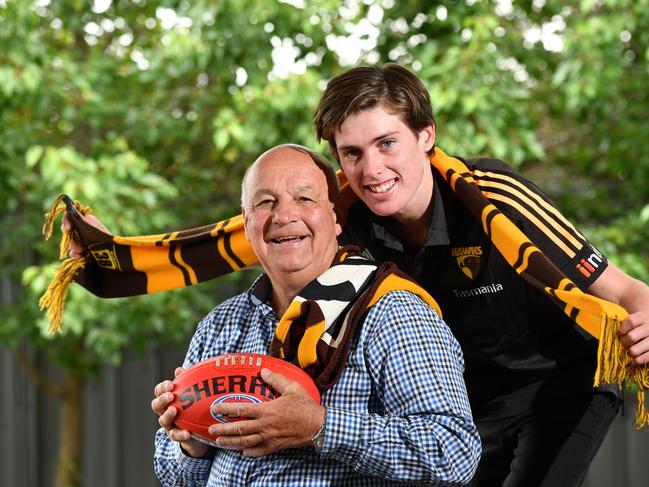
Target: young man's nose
{"type": "Point", "coordinates": [373, 164]}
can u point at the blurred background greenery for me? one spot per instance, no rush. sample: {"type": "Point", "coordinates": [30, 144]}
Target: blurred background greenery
{"type": "Point", "coordinates": [150, 110]}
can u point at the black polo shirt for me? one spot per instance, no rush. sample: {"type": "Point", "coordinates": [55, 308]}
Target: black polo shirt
{"type": "Point", "coordinates": [519, 347]}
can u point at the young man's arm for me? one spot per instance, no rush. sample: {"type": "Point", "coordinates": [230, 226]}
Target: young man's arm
{"type": "Point", "coordinates": [633, 295]}
{"type": "Point", "coordinates": [540, 219]}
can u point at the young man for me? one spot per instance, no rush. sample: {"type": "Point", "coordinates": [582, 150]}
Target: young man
{"type": "Point", "coordinates": [529, 369]}
{"type": "Point", "coordinates": [398, 411]}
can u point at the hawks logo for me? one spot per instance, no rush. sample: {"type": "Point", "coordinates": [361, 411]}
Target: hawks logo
{"type": "Point", "coordinates": [468, 259]}
{"type": "Point", "coordinates": [105, 258]}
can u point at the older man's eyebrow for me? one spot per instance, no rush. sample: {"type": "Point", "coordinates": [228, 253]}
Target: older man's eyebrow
{"type": "Point", "coordinates": [314, 192]}
{"type": "Point", "coordinates": [262, 191]}
{"type": "Point", "coordinates": [306, 188]}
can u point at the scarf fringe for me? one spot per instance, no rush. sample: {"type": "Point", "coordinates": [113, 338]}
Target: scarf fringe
{"type": "Point", "coordinates": [614, 366]}
{"type": "Point", "coordinates": [54, 297]}
{"type": "Point", "coordinates": [641, 413]}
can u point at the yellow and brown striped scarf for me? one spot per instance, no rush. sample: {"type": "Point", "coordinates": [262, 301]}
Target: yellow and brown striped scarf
{"type": "Point", "coordinates": [316, 331]}
{"type": "Point", "coordinates": [126, 266]}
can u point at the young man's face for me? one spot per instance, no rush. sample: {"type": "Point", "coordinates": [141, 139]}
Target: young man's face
{"type": "Point", "coordinates": [289, 219]}
{"type": "Point", "coordinates": [386, 163]}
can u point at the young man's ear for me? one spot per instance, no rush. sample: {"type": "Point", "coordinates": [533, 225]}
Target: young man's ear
{"type": "Point", "coordinates": [427, 137]}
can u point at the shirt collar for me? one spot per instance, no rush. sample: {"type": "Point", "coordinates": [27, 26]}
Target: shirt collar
{"type": "Point", "coordinates": [259, 294]}
{"type": "Point", "coordinates": [437, 231]}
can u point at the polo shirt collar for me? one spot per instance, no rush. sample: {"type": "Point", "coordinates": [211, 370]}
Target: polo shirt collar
{"type": "Point", "coordinates": [437, 231]}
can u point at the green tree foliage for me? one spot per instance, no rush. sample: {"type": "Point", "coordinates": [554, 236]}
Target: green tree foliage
{"type": "Point", "coordinates": [149, 111]}
{"type": "Point", "coordinates": [558, 88]}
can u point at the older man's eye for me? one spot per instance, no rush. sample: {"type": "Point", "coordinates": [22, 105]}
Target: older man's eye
{"type": "Point", "coordinates": [264, 203]}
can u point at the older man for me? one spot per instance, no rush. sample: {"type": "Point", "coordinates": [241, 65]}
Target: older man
{"type": "Point", "coordinates": [395, 411]}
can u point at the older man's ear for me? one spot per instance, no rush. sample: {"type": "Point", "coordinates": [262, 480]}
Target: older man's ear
{"type": "Point", "coordinates": [339, 229]}
{"type": "Point", "coordinates": [245, 223]}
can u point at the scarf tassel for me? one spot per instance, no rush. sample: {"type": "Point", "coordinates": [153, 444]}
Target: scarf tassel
{"type": "Point", "coordinates": [615, 367]}
{"type": "Point", "coordinates": [54, 297]}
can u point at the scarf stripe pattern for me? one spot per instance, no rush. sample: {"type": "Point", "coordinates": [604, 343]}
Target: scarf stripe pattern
{"type": "Point", "coordinates": [117, 266]}
{"type": "Point", "coordinates": [598, 317]}
{"type": "Point", "coordinates": [126, 266]}
{"type": "Point", "coordinates": [316, 331]}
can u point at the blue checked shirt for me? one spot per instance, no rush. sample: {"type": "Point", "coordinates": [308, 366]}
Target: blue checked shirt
{"type": "Point", "coordinates": [399, 412]}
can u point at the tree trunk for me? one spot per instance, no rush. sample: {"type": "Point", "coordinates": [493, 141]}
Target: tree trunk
{"type": "Point", "coordinates": [68, 465]}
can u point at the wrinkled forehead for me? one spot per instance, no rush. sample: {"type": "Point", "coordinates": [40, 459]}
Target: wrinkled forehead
{"type": "Point", "coordinates": [284, 167]}
{"type": "Point", "coordinates": [283, 156]}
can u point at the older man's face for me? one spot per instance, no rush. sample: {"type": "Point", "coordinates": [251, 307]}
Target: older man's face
{"type": "Point", "coordinates": [289, 219]}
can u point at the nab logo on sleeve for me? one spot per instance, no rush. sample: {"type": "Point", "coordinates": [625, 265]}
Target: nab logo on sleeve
{"type": "Point", "coordinates": [589, 264]}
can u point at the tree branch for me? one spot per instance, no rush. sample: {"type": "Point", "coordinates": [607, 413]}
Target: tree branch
{"type": "Point", "coordinates": [33, 373]}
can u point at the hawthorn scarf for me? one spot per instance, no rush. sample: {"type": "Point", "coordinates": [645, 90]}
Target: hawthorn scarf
{"type": "Point", "coordinates": [316, 331]}
{"type": "Point", "coordinates": [125, 266]}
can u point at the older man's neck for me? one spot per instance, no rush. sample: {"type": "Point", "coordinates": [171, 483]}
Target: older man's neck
{"type": "Point", "coordinates": [283, 296]}
{"type": "Point", "coordinates": [287, 286]}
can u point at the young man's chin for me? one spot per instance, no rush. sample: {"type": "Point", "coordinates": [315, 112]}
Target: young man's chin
{"type": "Point", "coordinates": [381, 208]}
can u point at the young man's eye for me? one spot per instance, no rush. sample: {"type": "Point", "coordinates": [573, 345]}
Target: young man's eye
{"type": "Point", "coordinates": [386, 144]}
{"type": "Point", "coordinates": [351, 155]}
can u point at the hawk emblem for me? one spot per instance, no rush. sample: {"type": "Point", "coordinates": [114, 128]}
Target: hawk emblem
{"type": "Point", "coordinates": [468, 260]}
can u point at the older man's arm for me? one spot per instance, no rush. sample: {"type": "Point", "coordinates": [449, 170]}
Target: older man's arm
{"type": "Point", "coordinates": [420, 428]}
{"type": "Point", "coordinates": [179, 460]}
{"type": "Point", "coordinates": [174, 467]}
{"type": "Point", "coordinates": [426, 432]}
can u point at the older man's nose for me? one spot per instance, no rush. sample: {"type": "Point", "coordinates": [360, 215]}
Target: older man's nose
{"type": "Point", "coordinates": [284, 212]}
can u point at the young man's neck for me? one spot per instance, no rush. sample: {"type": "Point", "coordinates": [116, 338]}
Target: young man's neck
{"type": "Point", "coordinates": [411, 228]}
{"type": "Point", "coordinates": [412, 232]}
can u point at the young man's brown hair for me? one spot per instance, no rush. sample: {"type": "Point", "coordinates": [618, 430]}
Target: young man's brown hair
{"type": "Point", "coordinates": [392, 86]}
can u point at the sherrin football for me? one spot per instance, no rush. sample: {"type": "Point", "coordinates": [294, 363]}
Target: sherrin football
{"type": "Point", "coordinates": [233, 377]}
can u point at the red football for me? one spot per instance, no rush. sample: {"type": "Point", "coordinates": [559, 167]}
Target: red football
{"type": "Point", "coordinates": [233, 377]}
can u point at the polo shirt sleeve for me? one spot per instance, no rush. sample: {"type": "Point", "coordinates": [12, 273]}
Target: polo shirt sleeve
{"type": "Point", "coordinates": [425, 431]}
